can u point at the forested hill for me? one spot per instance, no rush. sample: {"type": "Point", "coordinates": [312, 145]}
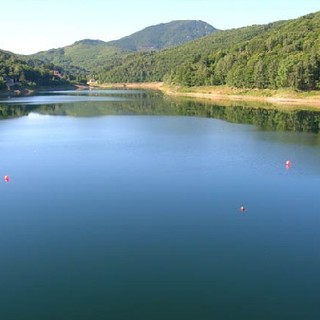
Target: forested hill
{"type": "Point", "coordinates": [164, 35]}
{"type": "Point", "coordinates": [90, 54]}
{"type": "Point", "coordinates": [30, 73]}
{"type": "Point", "coordinates": [85, 55]}
{"type": "Point", "coordinates": [277, 55]}
{"type": "Point", "coordinates": [158, 66]}
{"type": "Point", "coordinates": [280, 54]}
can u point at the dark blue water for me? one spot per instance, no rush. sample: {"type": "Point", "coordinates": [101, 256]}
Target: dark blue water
{"type": "Point", "coordinates": [137, 217]}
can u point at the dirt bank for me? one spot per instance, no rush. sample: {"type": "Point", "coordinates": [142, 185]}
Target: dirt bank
{"type": "Point", "coordinates": [222, 93]}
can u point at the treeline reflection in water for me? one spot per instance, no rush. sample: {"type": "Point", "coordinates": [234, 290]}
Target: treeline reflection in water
{"type": "Point", "coordinates": [264, 117]}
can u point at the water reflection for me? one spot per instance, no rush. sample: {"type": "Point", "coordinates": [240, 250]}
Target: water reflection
{"type": "Point", "coordinates": [89, 103]}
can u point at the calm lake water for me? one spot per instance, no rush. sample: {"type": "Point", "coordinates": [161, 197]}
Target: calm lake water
{"type": "Point", "coordinates": [125, 205]}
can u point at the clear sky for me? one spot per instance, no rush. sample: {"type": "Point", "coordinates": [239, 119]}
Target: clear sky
{"type": "Point", "coordinates": [29, 26]}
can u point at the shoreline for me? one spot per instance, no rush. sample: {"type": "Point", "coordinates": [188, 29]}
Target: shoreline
{"type": "Point", "coordinates": [281, 97]}
{"type": "Point", "coordinates": [222, 94]}
{"type": "Point", "coordinates": [28, 91]}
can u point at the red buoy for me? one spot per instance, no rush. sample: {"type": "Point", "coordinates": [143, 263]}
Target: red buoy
{"type": "Point", "coordinates": [288, 164]}
{"type": "Point", "coordinates": [6, 178]}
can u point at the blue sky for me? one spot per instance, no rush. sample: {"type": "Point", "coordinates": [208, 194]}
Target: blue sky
{"type": "Point", "coordinates": [29, 26]}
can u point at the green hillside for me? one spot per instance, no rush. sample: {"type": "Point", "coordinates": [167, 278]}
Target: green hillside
{"type": "Point", "coordinates": [277, 55]}
{"type": "Point", "coordinates": [157, 66]}
{"type": "Point", "coordinates": [87, 56]}
{"type": "Point", "coordinates": [81, 57]}
{"type": "Point", "coordinates": [165, 35]}
{"type": "Point", "coordinates": [31, 73]}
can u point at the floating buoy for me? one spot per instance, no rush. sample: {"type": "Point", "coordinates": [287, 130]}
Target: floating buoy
{"type": "Point", "coordinates": [288, 164]}
{"type": "Point", "coordinates": [242, 209]}
{"type": "Point", "coordinates": [6, 178]}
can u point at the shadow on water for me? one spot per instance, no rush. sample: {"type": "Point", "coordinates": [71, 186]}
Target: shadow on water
{"type": "Point", "coordinates": [137, 102]}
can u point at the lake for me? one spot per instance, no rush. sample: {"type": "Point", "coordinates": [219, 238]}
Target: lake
{"type": "Point", "coordinates": [125, 204]}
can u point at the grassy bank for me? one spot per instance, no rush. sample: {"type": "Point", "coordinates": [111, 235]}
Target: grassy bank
{"type": "Point", "coordinates": [222, 93]}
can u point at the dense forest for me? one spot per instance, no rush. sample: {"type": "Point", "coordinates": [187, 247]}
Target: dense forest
{"type": "Point", "coordinates": [27, 73]}
{"type": "Point", "coordinates": [277, 55]}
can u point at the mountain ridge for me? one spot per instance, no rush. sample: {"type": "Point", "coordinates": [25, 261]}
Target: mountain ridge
{"type": "Point", "coordinates": [169, 34]}
{"type": "Point", "coordinates": [90, 54]}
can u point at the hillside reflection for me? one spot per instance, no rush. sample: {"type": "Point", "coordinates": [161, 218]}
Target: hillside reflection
{"type": "Point", "coordinates": [153, 103]}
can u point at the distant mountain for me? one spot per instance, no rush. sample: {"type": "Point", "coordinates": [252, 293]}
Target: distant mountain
{"type": "Point", "coordinates": [92, 54]}
{"type": "Point", "coordinates": [164, 35]}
